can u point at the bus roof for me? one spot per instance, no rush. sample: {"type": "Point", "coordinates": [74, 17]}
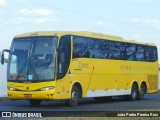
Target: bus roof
{"type": "Point", "coordinates": [80, 33]}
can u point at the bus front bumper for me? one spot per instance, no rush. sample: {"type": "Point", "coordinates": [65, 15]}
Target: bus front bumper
{"type": "Point", "coordinates": [36, 95]}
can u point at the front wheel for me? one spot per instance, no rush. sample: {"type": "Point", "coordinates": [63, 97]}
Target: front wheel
{"type": "Point", "coordinates": [35, 102]}
{"type": "Point", "coordinates": [74, 97]}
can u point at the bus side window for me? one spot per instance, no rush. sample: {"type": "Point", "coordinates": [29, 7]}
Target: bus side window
{"type": "Point", "coordinates": [147, 53]}
{"type": "Point", "coordinates": [119, 51]}
{"type": "Point", "coordinates": [111, 49]}
{"type": "Point", "coordinates": [140, 53]}
{"type": "Point", "coordinates": [64, 55]}
{"type": "Point", "coordinates": [105, 49]}
{"type": "Point", "coordinates": [123, 51]}
{"type": "Point", "coordinates": [95, 48]}
{"type": "Point", "coordinates": [80, 47]}
{"type": "Point", "coordinates": [130, 51]}
{"type": "Point", "coordinates": [153, 54]}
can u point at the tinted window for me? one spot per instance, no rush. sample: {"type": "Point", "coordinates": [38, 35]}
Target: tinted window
{"type": "Point", "coordinates": [119, 51]}
{"type": "Point", "coordinates": [80, 49]}
{"type": "Point", "coordinates": [140, 53]}
{"type": "Point", "coordinates": [105, 49]}
{"type": "Point", "coordinates": [64, 55]}
{"type": "Point", "coordinates": [130, 51]}
{"type": "Point", "coordinates": [154, 54]}
{"type": "Point", "coordinates": [95, 48]}
{"type": "Point", "coordinates": [148, 53]}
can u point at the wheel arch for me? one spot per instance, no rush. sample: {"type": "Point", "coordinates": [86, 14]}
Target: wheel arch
{"type": "Point", "coordinates": [78, 84]}
{"type": "Point", "coordinates": [136, 83]}
{"type": "Point", "coordinates": [145, 84]}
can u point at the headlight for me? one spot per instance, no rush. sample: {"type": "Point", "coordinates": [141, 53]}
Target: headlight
{"type": "Point", "coordinates": [47, 88]}
{"type": "Point", "coordinates": [11, 89]}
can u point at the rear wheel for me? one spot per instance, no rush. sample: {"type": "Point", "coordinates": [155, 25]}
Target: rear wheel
{"type": "Point", "coordinates": [141, 92]}
{"type": "Point", "coordinates": [74, 97]}
{"type": "Point", "coordinates": [134, 93]}
{"type": "Point", "coordinates": [35, 102]}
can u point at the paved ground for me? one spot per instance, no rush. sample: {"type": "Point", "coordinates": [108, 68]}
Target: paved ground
{"type": "Point", "coordinates": [150, 102]}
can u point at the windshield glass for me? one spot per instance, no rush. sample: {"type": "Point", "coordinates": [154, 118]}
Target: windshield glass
{"type": "Point", "coordinates": [32, 59]}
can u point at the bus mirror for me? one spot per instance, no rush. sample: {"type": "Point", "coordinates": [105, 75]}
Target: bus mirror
{"type": "Point", "coordinates": [6, 50]}
{"type": "Point", "coordinates": [2, 56]}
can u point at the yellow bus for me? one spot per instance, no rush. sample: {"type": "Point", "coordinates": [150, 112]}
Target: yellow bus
{"type": "Point", "coordinates": [74, 65]}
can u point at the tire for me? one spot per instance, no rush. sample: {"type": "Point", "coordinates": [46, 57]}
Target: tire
{"type": "Point", "coordinates": [134, 93]}
{"type": "Point", "coordinates": [141, 92]}
{"type": "Point", "coordinates": [74, 97]}
{"type": "Point", "coordinates": [35, 102]}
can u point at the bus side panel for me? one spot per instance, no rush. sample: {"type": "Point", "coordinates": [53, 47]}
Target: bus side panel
{"type": "Point", "coordinates": [64, 86]}
{"type": "Point", "coordinates": [99, 77]}
{"type": "Point", "coordinates": [113, 77]}
{"type": "Point", "coordinates": [80, 71]}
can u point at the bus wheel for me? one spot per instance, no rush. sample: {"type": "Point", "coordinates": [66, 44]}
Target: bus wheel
{"type": "Point", "coordinates": [35, 102]}
{"type": "Point", "coordinates": [141, 92]}
{"type": "Point", "coordinates": [134, 93]}
{"type": "Point", "coordinates": [74, 97]}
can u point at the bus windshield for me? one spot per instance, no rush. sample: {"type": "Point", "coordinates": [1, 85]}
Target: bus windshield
{"type": "Point", "coordinates": [32, 59]}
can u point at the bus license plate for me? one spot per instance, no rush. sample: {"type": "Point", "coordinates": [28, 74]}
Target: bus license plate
{"type": "Point", "coordinates": [27, 95]}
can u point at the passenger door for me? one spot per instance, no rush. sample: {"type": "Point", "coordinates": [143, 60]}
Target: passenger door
{"type": "Point", "coordinates": [63, 63]}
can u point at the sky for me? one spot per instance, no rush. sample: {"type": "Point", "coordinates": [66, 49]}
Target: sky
{"type": "Point", "coordinates": [131, 19]}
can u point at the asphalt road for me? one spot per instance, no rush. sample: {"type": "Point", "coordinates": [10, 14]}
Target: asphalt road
{"type": "Point", "coordinates": [150, 102]}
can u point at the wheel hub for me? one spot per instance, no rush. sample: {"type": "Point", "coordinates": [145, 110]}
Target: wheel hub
{"type": "Point", "coordinates": [74, 96]}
